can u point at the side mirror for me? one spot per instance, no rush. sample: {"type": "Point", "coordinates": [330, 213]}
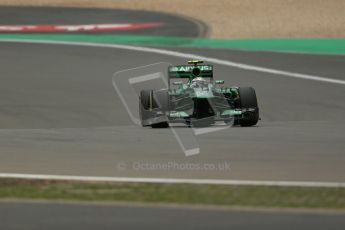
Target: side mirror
{"type": "Point", "coordinates": [177, 83]}
{"type": "Point", "coordinates": [219, 82]}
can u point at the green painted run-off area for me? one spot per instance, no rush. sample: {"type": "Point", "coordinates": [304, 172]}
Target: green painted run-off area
{"type": "Point", "coordinates": [322, 46]}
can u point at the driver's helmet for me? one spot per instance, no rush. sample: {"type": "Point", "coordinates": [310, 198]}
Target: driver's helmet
{"type": "Point", "coordinates": [199, 82]}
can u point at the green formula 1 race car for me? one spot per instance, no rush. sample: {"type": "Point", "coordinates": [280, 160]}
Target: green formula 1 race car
{"type": "Point", "coordinates": [196, 99]}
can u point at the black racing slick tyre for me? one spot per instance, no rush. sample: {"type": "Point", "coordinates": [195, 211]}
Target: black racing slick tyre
{"type": "Point", "coordinates": [161, 98]}
{"type": "Point", "coordinates": [147, 100]}
{"type": "Point", "coordinates": [249, 105]}
{"type": "Point", "coordinates": [144, 106]}
{"type": "Point", "coordinates": [152, 100]}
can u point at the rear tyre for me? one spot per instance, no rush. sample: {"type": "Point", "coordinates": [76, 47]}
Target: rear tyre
{"type": "Point", "coordinates": [147, 99]}
{"type": "Point", "coordinates": [161, 100]}
{"type": "Point", "coordinates": [152, 100]}
{"type": "Point", "coordinates": [248, 102]}
{"type": "Point", "coordinates": [144, 106]}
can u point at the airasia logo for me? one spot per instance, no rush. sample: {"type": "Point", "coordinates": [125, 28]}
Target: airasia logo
{"type": "Point", "coordinates": [77, 28]}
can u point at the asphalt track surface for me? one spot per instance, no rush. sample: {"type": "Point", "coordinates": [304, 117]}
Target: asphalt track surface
{"type": "Point", "coordinates": [42, 215]}
{"type": "Point", "coordinates": [61, 115]}
{"type": "Point", "coordinates": [172, 25]}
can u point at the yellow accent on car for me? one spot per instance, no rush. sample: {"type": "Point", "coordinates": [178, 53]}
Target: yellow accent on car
{"type": "Point", "coordinates": [195, 62]}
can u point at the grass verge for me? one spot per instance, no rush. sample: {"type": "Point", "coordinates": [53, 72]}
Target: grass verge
{"type": "Point", "coordinates": [225, 195]}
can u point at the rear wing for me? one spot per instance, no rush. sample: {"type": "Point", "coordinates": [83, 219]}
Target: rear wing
{"type": "Point", "coordinates": [190, 71]}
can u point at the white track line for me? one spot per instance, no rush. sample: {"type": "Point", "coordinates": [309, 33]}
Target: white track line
{"type": "Point", "coordinates": [185, 55]}
{"type": "Point", "coordinates": [173, 180]}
